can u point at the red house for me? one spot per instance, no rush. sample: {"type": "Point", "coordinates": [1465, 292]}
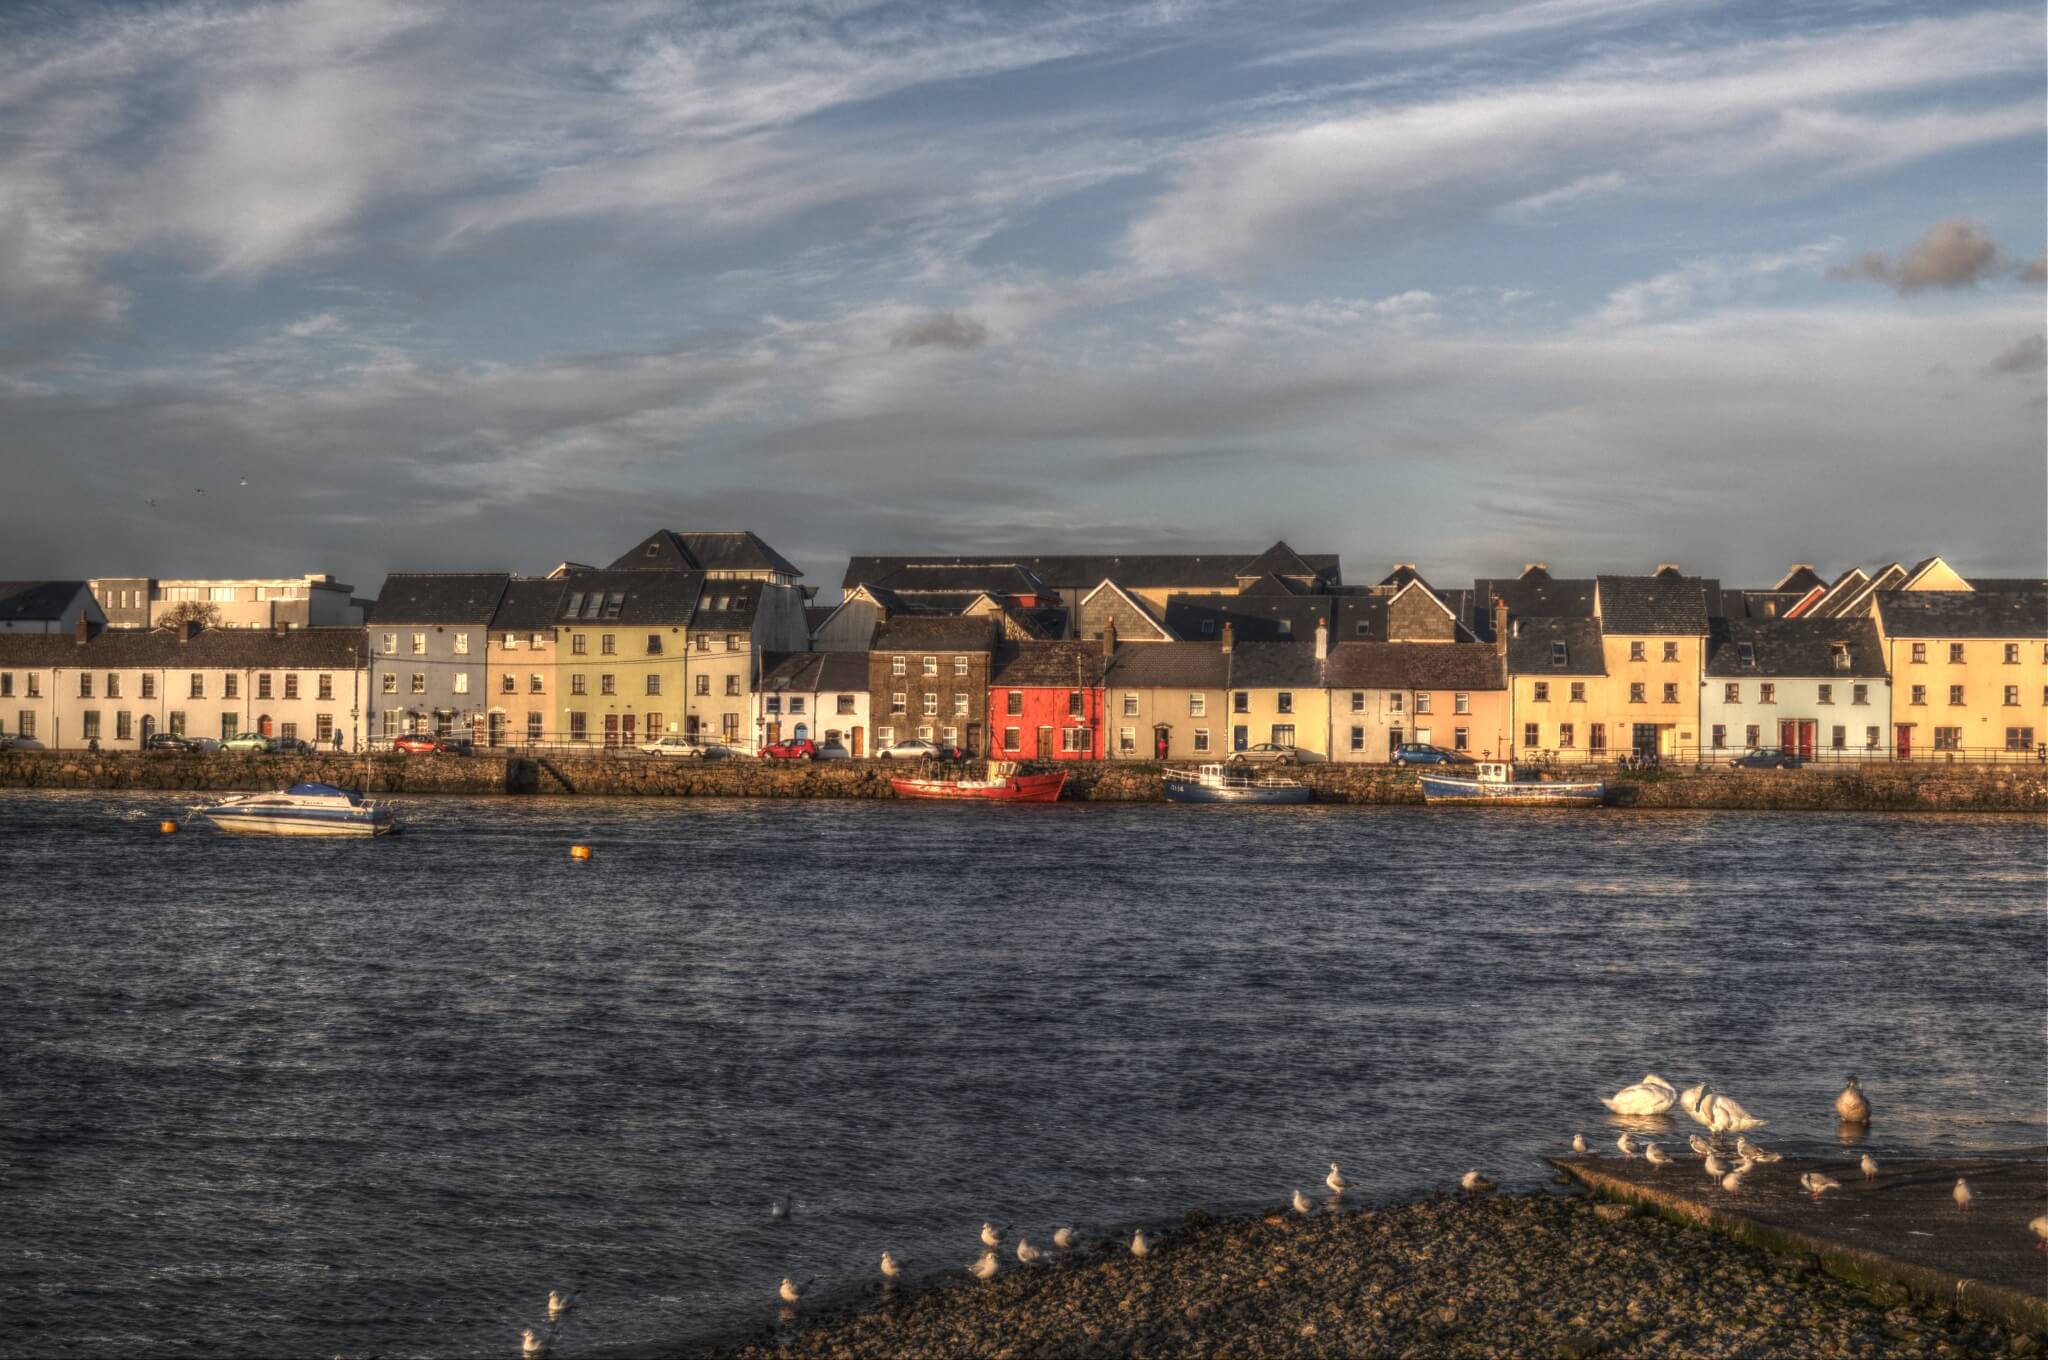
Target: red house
{"type": "Point", "coordinates": [1045, 701]}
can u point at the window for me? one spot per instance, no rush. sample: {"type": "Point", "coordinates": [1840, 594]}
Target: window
{"type": "Point", "coordinates": [1565, 735]}
{"type": "Point", "coordinates": [1720, 737]}
{"type": "Point", "coordinates": [1824, 694]}
{"type": "Point", "coordinates": [25, 722]}
{"type": "Point", "coordinates": [1201, 740]}
{"type": "Point", "coordinates": [1198, 705]}
{"type": "Point", "coordinates": [654, 644]}
{"type": "Point", "coordinates": [1130, 709]}
{"type": "Point", "coordinates": [2012, 654]}
{"type": "Point", "coordinates": [1671, 651]}
{"type": "Point", "coordinates": [291, 688]}
{"type": "Point", "coordinates": [1750, 734]}
{"type": "Point", "coordinates": [419, 644]}
{"type": "Point", "coordinates": [1013, 705]}
{"type": "Point", "coordinates": [1955, 696]}
{"type": "Point", "coordinates": [6, 684]}
{"type": "Point", "coordinates": [1077, 740]}
{"type": "Point", "coordinates": [931, 665]}
{"type": "Point", "coordinates": [389, 683]}
{"type": "Point", "coordinates": [1126, 740]}
{"type": "Point", "coordinates": [508, 684]}
{"type": "Point", "coordinates": [653, 684]}
{"type": "Point", "coordinates": [1838, 655]}
{"type": "Point", "coordinates": [1011, 736]}
{"type": "Point", "coordinates": [959, 665]}
{"type": "Point", "coordinates": [960, 706]}
{"type": "Point", "coordinates": [1859, 694]}
{"type": "Point", "coordinates": [197, 684]}
{"type": "Point", "coordinates": [1394, 701]}
{"type": "Point", "coordinates": [1635, 693]}
{"type": "Point", "coordinates": [1955, 654]}
{"type": "Point", "coordinates": [1870, 738]}
{"type": "Point", "coordinates": [1077, 704]}
{"type": "Point", "coordinates": [1286, 701]}
{"type": "Point", "coordinates": [124, 725]}
{"type": "Point", "coordinates": [1919, 653]}
{"type": "Point", "coordinates": [578, 730]}
{"type": "Point", "coordinates": [897, 702]}
{"type": "Point", "coordinates": [607, 684]}
{"type": "Point", "coordinates": [263, 686]}
{"type": "Point", "coordinates": [326, 688]}
{"type": "Point", "coordinates": [1358, 738]}
{"type": "Point", "coordinates": [1422, 701]}
{"type": "Point", "coordinates": [1358, 701]}
{"type": "Point", "coordinates": [578, 645]}
{"type": "Point", "coordinates": [774, 704]}
{"type": "Point", "coordinates": [390, 644]}
{"type": "Point", "coordinates": [323, 728]}
{"type": "Point", "coordinates": [1731, 693]}
{"type": "Point", "coordinates": [1839, 739]}
{"type": "Point", "coordinates": [1745, 655]}
{"type": "Point", "coordinates": [885, 737]}
{"type": "Point", "coordinates": [2019, 738]}
{"type": "Point", "coordinates": [1364, 629]}
{"type": "Point", "coordinates": [701, 642]}
{"type": "Point", "coordinates": [931, 705]}
{"type": "Point", "coordinates": [34, 685]}
{"type": "Point", "coordinates": [1532, 735]}
{"type": "Point", "coordinates": [796, 704]}
{"type": "Point", "coordinates": [1283, 734]}
{"type": "Point", "coordinates": [1919, 694]}
{"type": "Point", "coordinates": [580, 684]}
{"type": "Point", "coordinates": [1767, 693]}
{"type": "Point", "coordinates": [703, 686]}
{"type": "Point", "coordinates": [534, 730]}
{"type": "Point", "coordinates": [1461, 739]}
{"type": "Point", "coordinates": [291, 684]}
{"type": "Point", "coordinates": [845, 704]}
{"type": "Point", "coordinates": [390, 723]}
{"type": "Point", "coordinates": [536, 640]}
{"type": "Point", "coordinates": [92, 724]}
{"type": "Point", "coordinates": [1241, 702]}
{"type": "Point", "coordinates": [896, 665]}
{"type": "Point", "coordinates": [1560, 654]}
{"type": "Point", "coordinates": [950, 736]}
{"type": "Point", "coordinates": [732, 686]}
{"type": "Point", "coordinates": [1638, 651]}
{"type": "Point", "coordinates": [1578, 691]}
{"type": "Point", "coordinates": [732, 642]}
{"type": "Point", "coordinates": [1208, 627]}
{"type": "Point", "coordinates": [2012, 696]}
{"type": "Point", "coordinates": [1542, 692]}
{"type": "Point", "coordinates": [1948, 738]}
{"type": "Point", "coordinates": [462, 644]}
{"type": "Point", "coordinates": [1670, 694]}
{"type": "Point", "coordinates": [177, 724]}
{"type": "Point", "coordinates": [113, 684]}
{"type": "Point", "coordinates": [85, 684]}
{"type": "Point", "coordinates": [1461, 703]}
{"type": "Point", "coordinates": [607, 644]}
{"type": "Point", "coordinates": [1596, 737]}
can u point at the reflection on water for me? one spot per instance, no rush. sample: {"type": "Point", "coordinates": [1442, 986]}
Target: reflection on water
{"type": "Point", "coordinates": [379, 1098]}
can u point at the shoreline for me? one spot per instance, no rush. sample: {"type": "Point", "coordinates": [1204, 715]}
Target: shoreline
{"type": "Point", "coordinates": [2001, 788]}
{"type": "Point", "coordinates": [1538, 1274]}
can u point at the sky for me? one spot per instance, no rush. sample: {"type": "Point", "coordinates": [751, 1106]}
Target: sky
{"type": "Point", "coordinates": [356, 286]}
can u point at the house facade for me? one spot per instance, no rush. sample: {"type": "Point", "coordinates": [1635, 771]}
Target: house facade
{"type": "Point", "coordinates": [928, 680]}
{"type": "Point", "coordinates": [1969, 671]}
{"type": "Point", "coordinates": [1814, 688]}
{"type": "Point", "coordinates": [817, 696]}
{"type": "Point", "coordinates": [312, 601]}
{"type": "Point", "coordinates": [48, 607]}
{"type": "Point", "coordinates": [519, 662]}
{"type": "Point", "coordinates": [429, 668]}
{"type": "Point", "coordinates": [117, 688]}
{"type": "Point", "coordinates": [1382, 694]}
{"type": "Point", "coordinates": [1167, 701]}
{"type": "Point", "coordinates": [1279, 694]}
{"type": "Point", "coordinates": [1045, 700]}
{"type": "Point", "coordinates": [1653, 632]}
{"type": "Point", "coordinates": [1558, 699]}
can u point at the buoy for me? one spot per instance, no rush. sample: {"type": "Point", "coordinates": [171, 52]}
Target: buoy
{"type": "Point", "coordinates": [579, 852]}
{"type": "Point", "coordinates": [168, 828]}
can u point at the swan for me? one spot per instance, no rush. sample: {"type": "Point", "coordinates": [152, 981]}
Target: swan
{"type": "Point", "coordinates": [1657, 1157]}
{"type": "Point", "coordinates": [532, 1347]}
{"type": "Point", "coordinates": [558, 1304]}
{"type": "Point", "coordinates": [1691, 1100]}
{"type": "Point", "coordinates": [1725, 1116]}
{"type": "Point", "coordinates": [1627, 1146]}
{"type": "Point", "coordinates": [991, 1236]}
{"type": "Point", "coordinates": [1579, 1144]}
{"type": "Point", "coordinates": [1852, 1107]}
{"type": "Point", "coordinates": [1027, 1253]}
{"type": "Point", "coordinates": [984, 1267]}
{"type": "Point", "coordinates": [1063, 1238]}
{"type": "Point", "coordinates": [1815, 1184]}
{"type": "Point", "coordinates": [1962, 1195]}
{"type": "Point", "coordinates": [1472, 1183]}
{"type": "Point", "coordinates": [1651, 1095]}
{"type": "Point", "coordinates": [1869, 1167]}
{"type": "Point", "coordinates": [892, 1269]}
{"type": "Point", "coordinates": [1301, 1204]}
{"type": "Point", "coordinates": [1335, 1180]}
{"type": "Point", "coordinates": [1139, 1246]}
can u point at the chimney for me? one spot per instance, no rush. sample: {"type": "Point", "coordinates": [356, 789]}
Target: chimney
{"type": "Point", "coordinates": [1668, 569]}
{"type": "Point", "coordinates": [1228, 635]}
{"type": "Point", "coordinates": [84, 629]}
{"type": "Point", "coordinates": [1322, 640]}
{"type": "Point", "coordinates": [1500, 626]}
{"type": "Point", "coordinates": [1109, 640]}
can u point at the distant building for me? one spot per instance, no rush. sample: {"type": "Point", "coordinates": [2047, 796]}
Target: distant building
{"type": "Point", "coordinates": [1385, 694]}
{"type": "Point", "coordinates": [253, 602]}
{"type": "Point", "coordinates": [429, 665]}
{"type": "Point", "coordinates": [1804, 686]}
{"type": "Point", "coordinates": [47, 606]}
{"type": "Point", "coordinates": [928, 679]}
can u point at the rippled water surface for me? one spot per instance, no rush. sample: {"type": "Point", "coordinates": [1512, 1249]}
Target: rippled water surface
{"type": "Point", "coordinates": [312, 1098]}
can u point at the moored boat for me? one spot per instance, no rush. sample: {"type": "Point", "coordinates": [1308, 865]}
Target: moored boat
{"type": "Point", "coordinates": [1221, 784]}
{"type": "Point", "coordinates": [301, 810]}
{"type": "Point", "coordinates": [1496, 786]}
{"type": "Point", "coordinates": [1002, 784]}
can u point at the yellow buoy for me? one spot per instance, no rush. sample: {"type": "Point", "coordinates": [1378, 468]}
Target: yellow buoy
{"type": "Point", "coordinates": [579, 852]}
{"type": "Point", "coordinates": [168, 828]}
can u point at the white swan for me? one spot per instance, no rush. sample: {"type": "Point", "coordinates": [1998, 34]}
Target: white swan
{"type": "Point", "coordinates": [984, 1267]}
{"type": "Point", "coordinates": [1726, 1116]}
{"type": "Point", "coordinates": [1335, 1180]}
{"type": "Point", "coordinates": [1962, 1195]}
{"type": "Point", "coordinates": [1301, 1204]}
{"type": "Point", "coordinates": [892, 1269]}
{"type": "Point", "coordinates": [1815, 1184]}
{"type": "Point", "coordinates": [1139, 1246]}
{"type": "Point", "coordinates": [1690, 1101]}
{"type": "Point", "coordinates": [1852, 1107]}
{"type": "Point", "coordinates": [2040, 1227]}
{"type": "Point", "coordinates": [1651, 1095]}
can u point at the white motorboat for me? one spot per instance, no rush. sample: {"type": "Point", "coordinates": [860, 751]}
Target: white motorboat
{"type": "Point", "coordinates": [301, 810]}
{"type": "Point", "coordinates": [1497, 786]}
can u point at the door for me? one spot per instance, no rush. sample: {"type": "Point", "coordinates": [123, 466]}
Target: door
{"type": "Point", "coordinates": [626, 731]}
{"type": "Point", "coordinates": [859, 740]}
{"type": "Point", "coordinates": [1645, 739]}
{"type": "Point", "coordinates": [1239, 738]}
{"type": "Point", "coordinates": [611, 730]}
{"type": "Point", "coordinates": [1162, 738]}
{"type": "Point", "coordinates": [974, 739]}
{"type": "Point", "coordinates": [1796, 737]}
{"type": "Point", "coordinates": [497, 732]}
{"type": "Point", "coordinates": [1903, 745]}
{"type": "Point", "coordinates": [1045, 743]}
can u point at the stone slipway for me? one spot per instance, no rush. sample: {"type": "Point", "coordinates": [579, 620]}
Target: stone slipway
{"type": "Point", "coordinates": [1901, 1232]}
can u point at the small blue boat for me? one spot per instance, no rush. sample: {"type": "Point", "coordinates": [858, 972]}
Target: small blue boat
{"type": "Point", "coordinates": [301, 810]}
{"type": "Point", "coordinates": [1496, 786]}
{"type": "Point", "coordinates": [1220, 784]}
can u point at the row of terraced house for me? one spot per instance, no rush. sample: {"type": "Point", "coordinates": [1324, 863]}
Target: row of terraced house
{"type": "Point", "coordinates": [1185, 657]}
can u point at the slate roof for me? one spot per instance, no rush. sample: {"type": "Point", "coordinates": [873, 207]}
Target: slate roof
{"type": "Point", "coordinates": [530, 605]}
{"type": "Point", "coordinates": [1800, 579]}
{"type": "Point", "coordinates": [1853, 599]}
{"type": "Point", "coordinates": [1253, 618]}
{"type": "Point", "coordinates": [1654, 605]}
{"type": "Point", "coordinates": [440, 597]}
{"type": "Point", "coordinates": [737, 550]}
{"type": "Point", "coordinates": [725, 604]}
{"type": "Point", "coordinates": [1794, 647]}
{"type": "Point", "coordinates": [1415, 665]}
{"type": "Point", "coordinates": [1083, 572]}
{"type": "Point", "coordinates": [644, 598]}
{"type": "Point", "coordinates": [1757, 604]}
{"type": "Point", "coordinates": [2037, 585]}
{"type": "Point", "coordinates": [22, 601]}
{"type": "Point", "coordinates": [338, 649]}
{"type": "Point", "coordinates": [1275, 665]}
{"type": "Point", "coordinates": [1530, 650]}
{"type": "Point", "coordinates": [1963, 613]}
{"type": "Point", "coordinates": [1270, 584]}
{"type": "Point", "coordinates": [1360, 618]}
{"type": "Point", "coordinates": [1169, 665]}
{"type": "Point", "coordinates": [1278, 560]}
{"type": "Point", "coordinates": [1057, 665]}
{"type": "Point", "coordinates": [973, 577]}
{"type": "Point", "coordinates": [926, 633]}
{"type": "Point", "coordinates": [816, 614]}
{"type": "Point", "coordinates": [1531, 597]}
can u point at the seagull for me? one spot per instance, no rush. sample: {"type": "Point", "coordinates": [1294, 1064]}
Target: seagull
{"type": "Point", "coordinates": [779, 1207]}
{"type": "Point", "coordinates": [2040, 1227]}
{"type": "Point", "coordinates": [1852, 1107]}
{"type": "Point", "coordinates": [1657, 1157]}
{"type": "Point", "coordinates": [1627, 1146]}
{"type": "Point", "coordinates": [1755, 1153]}
{"type": "Point", "coordinates": [533, 1346]}
{"type": "Point", "coordinates": [1651, 1095]}
{"type": "Point", "coordinates": [1579, 1144]}
{"type": "Point", "coordinates": [1301, 1204]}
{"type": "Point", "coordinates": [1869, 1167]}
{"type": "Point", "coordinates": [1963, 1195]}
{"type": "Point", "coordinates": [1472, 1183]}
{"type": "Point", "coordinates": [1700, 1145]}
{"type": "Point", "coordinates": [1139, 1246]}
{"type": "Point", "coordinates": [245, 481]}
{"type": "Point", "coordinates": [791, 1292]}
{"type": "Point", "coordinates": [984, 1267]}
{"type": "Point", "coordinates": [1026, 1252]}
{"type": "Point", "coordinates": [991, 1236]}
{"type": "Point", "coordinates": [1714, 1165]}
{"type": "Point", "coordinates": [1732, 1182]}
{"type": "Point", "coordinates": [1744, 1167]}
{"type": "Point", "coordinates": [1335, 1180]}
{"type": "Point", "coordinates": [1063, 1238]}
{"type": "Point", "coordinates": [892, 1269]}
{"type": "Point", "coordinates": [558, 1303]}
{"type": "Point", "coordinates": [1815, 1184]}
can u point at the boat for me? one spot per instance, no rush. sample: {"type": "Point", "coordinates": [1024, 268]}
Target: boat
{"type": "Point", "coordinates": [301, 810]}
{"type": "Point", "coordinates": [1496, 786]}
{"type": "Point", "coordinates": [1001, 784]}
{"type": "Point", "coordinates": [1232, 784]}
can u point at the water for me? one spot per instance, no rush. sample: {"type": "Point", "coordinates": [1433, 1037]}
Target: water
{"type": "Point", "coordinates": [311, 1098]}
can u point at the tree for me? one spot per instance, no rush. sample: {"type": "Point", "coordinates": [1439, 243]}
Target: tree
{"type": "Point", "coordinates": [174, 619]}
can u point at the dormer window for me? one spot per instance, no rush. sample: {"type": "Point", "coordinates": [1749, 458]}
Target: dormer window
{"type": "Point", "coordinates": [1838, 654]}
{"type": "Point", "coordinates": [1209, 627]}
{"type": "Point", "coordinates": [1560, 654]}
{"type": "Point", "coordinates": [1365, 630]}
{"type": "Point", "coordinates": [1286, 627]}
{"type": "Point", "coordinates": [654, 550]}
{"type": "Point", "coordinates": [1745, 655]}
{"type": "Point", "coordinates": [612, 603]}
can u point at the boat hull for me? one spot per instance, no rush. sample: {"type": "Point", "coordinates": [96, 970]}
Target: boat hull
{"type": "Point", "coordinates": [1437, 788]}
{"type": "Point", "coordinates": [1018, 788]}
{"type": "Point", "coordinates": [1188, 791]}
{"type": "Point", "coordinates": [245, 823]}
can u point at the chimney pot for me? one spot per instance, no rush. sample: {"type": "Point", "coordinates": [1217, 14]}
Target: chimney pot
{"type": "Point", "coordinates": [1109, 640]}
{"type": "Point", "coordinates": [1500, 625]}
{"type": "Point", "coordinates": [84, 629]}
{"type": "Point", "coordinates": [1228, 635]}
{"type": "Point", "coordinates": [1322, 640]}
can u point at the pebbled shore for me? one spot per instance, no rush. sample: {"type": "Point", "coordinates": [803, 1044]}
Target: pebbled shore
{"type": "Point", "coordinates": [1519, 1275]}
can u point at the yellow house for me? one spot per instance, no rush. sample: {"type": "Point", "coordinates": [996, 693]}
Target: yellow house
{"type": "Point", "coordinates": [1278, 696]}
{"type": "Point", "coordinates": [1167, 701]}
{"type": "Point", "coordinates": [1653, 632]}
{"type": "Point", "coordinates": [1561, 707]}
{"type": "Point", "coordinates": [621, 656]}
{"type": "Point", "coordinates": [1969, 672]}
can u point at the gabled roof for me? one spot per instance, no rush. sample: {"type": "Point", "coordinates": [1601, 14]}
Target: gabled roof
{"type": "Point", "coordinates": [1254, 618]}
{"type": "Point", "coordinates": [338, 649]}
{"type": "Point", "coordinates": [735, 550]}
{"type": "Point", "coordinates": [1402, 574]}
{"type": "Point", "coordinates": [1963, 614]}
{"type": "Point", "coordinates": [633, 598]}
{"type": "Point", "coordinates": [1652, 605]}
{"type": "Point", "coordinates": [1169, 665]}
{"type": "Point", "coordinates": [1269, 584]}
{"type": "Point", "coordinates": [440, 597]}
{"type": "Point", "coordinates": [813, 672]}
{"type": "Point", "coordinates": [530, 604]}
{"type": "Point", "coordinates": [1531, 596]}
{"type": "Point", "coordinates": [1415, 665]}
{"type": "Point", "coordinates": [1794, 647]}
{"type": "Point", "coordinates": [1850, 581]}
{"type": "Point", "coordinates": [1161, 633]}
{"type": "Point", "coordinates": [44, 601]}
{"type": "Point", "coordinates": [1278, 560]}
{"type": "Point", "coordinates": [919, 578]}
{"type": "Point", "coordinates": [949, 633]}
{"type": "Point", "coordinates": [1758, 604]}
{"type": "Point", "coordinates": [1057, 665]}
{"type": "Point", "coordinates": [1275, 665]}
{"type": "Point", "coordinates": [816, 614]}
{"type": "Point", "coordinates": [1801, 578]}
{"type": "Point", "coordinates": [1853, 600]}
{"type": "Point", "coordinates": [1532, 647]}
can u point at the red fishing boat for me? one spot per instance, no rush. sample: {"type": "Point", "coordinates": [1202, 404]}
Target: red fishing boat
{"type": "Point", "coordinates": [1002, 785]}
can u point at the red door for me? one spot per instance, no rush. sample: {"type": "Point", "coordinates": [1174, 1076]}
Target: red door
{"type": "Point", "coordinates": [1904, 744]}
{"type": "Point", "coordinates": [626, 731]}
{"type": "Point", "coordinates": [1796, 737]}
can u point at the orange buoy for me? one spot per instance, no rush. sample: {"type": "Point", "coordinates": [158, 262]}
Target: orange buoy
{"type": "Point", "coordinates": [579, 852]}
{"type": "Point", "coordinates": [168, 828]}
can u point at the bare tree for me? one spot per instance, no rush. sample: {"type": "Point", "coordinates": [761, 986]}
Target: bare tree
{"type": "Point", "coordinates": [174, 619]}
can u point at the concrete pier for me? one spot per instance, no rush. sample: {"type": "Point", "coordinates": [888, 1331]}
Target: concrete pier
{"type": "Point", "coordinates": [1900, 1233]}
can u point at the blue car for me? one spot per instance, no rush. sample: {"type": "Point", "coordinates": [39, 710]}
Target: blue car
{"type": "Point", "coordinates": [1415, 753]}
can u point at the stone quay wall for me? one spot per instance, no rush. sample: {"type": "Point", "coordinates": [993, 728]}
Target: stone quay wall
{"type": "Point", "coordinates": [1876, 788]}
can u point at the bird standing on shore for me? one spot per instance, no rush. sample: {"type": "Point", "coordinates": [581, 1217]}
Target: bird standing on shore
{"type": "Point", "coordinates": [1026, 1253]}
{"type": "Point", "coordinates": [2040, 1227]}
{"type": "Point", "coordinates": [1335, 1180]}
{"type": "Point", "coordinates": [793, 1293]}
{"type": "Point", "coordinates": [1472, 1183]}
{"type": "Point", "coordinates": [1715, 1167]}
{"type": "Point", "coordinates": [1852, 1106]}
{"type": "Point", "coordinates": [1963, 1196]}
{"type": "Point", "coordinates": [1627, 1146]}
{"type": "Point", "coordinates": [1139, 1246]}
{"type": "Point", "coordinates": [1732, 1182]}
{"type": "Point", "coordinates": [892, 1269]}
{"type": "Point", "coordinates": [1657, 1157]}
{"type": "Point", "coordinates": [1301, 1204]}
{"type": "Point", "coordinates": [1755, 1153]}
{"type": "Point", "coordinates": [1869, 1167]}
{"type": "Point", "coordinates": [1063, 1238]}
{"type": "Point", "coordinates": [1700, 1146]}
{"type": "Point", "coordinates": [985, 1266]}
{"type": "Point", "coordinates": [1579, 1144]}
{"type": "Point", "coordinates": [991, 1236]}
{"type": "Point", "coordinates": [1816, 1184]}
{"type": "Point", "coordinates": [1651, 1095]}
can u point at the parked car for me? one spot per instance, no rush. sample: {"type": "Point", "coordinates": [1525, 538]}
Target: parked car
{"type": "Point", "coordinates": [416, 744]}
{"type": "Point", "coordinates": [203, 743]}
{"type": "Point", "coordinates": [688, 748]}
{"type": "Point", "coordinates": [251, 742]}
{"type": "Point", "coordinates": [831, 750]}
{"type": "Point", "coordinates": [1416, 753]}
{"type": "Point", "coordinates": [800, 748]}
{"type": "Point", "coordinates": [1266, 753]}
{"type": "Point", "coordinates": [1770, 759]}
{"type": "Point", "coordinates": [917, 748]}
{"type": "Point", "coordinates": [166, 741]}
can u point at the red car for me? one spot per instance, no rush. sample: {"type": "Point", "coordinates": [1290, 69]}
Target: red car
{"type": "Point", "coordinates": [802, 748]}
{"type": "Point", "coordinates": [416, 745]}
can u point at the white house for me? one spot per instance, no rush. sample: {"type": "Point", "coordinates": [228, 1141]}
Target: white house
{"type": "Point", "coordinates": [822, 696]}
{"type": "Point", "coordinates": [47, 606]}
{"type": "Point", "coordinates": [1809, 687]}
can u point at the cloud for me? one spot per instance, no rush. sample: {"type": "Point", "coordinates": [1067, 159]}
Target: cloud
{"type": "Point", "coordinates": [1956, 253]}
{"type": "Point", "coordinates": [2036, 269]}
{"type": "Point", "coordinates": [942, 330]}
{"type": "Point", "coordinates": [1710, 280]}
{"type": "Point", "coordinates": [2029, 355]}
